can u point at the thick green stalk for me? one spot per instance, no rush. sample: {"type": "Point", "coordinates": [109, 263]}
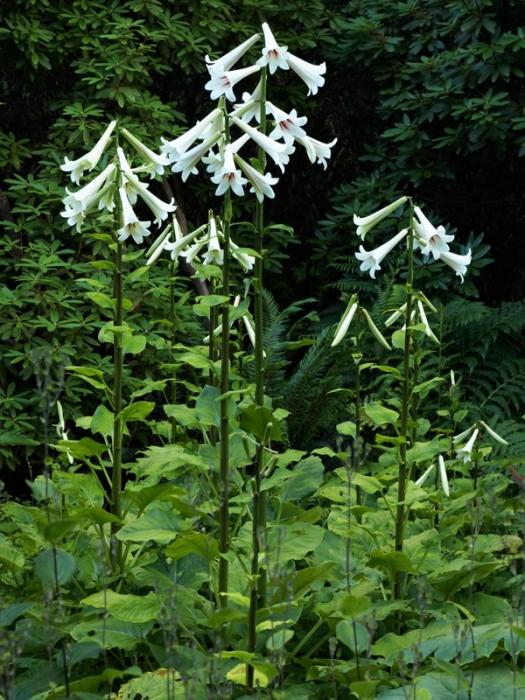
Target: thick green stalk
{"type": "Point", "coordinates": [118, 362]}
{"type": "Point", "coordinates": [405, 405]}
{"type": "Point", "coordinates": [224, 510]}
{"type": "Point", "coordinates": [258, 582]}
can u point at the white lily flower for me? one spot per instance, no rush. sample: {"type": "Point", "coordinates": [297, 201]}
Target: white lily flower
{"type": "Point", "coordinates": [245, 260]}
{"type": "Point", "coordinates": [175, 247]}
{"type": "Point", "coordinates": [127, 183]}
{"type": "Point", "coordinates": [88, 161]}
{"type": "Point", "coordinates": [193, 250]}
{"type": "Point", "coordinates": [250, 330]}
{"type": "Point", "coordinates": [457, 262]}
{"type": "Point", "coordinates": [159, 209]}
{"type": "Point", "coordinates": [397, 314]}
{"type": "Point", "coordinates": [464, 435]}
{"type": "Point", "coordinates": [452, 378]}
{"type": "Point", "coordinates": [278, 152]}
{"type": "Point", "coordinates": [429, 239]}
{"type": "Point", "coordinates": [222, 83]}
{"type": "Point", "coordinates": [371, 260]}
{"type": "Point", "coordinates": [176, 147]}
{"type": "Point", "coordinates": [155, 162]}
{"type": "Point", "coordinates": [229, 59]}
{"type": "Point", "coordinates": [288, 125]}
{"type": "Point", "coordinates": [214, 254]}
{"type": "Point", "coordinates": [423, 317]}
{"type": "Point", "coordinates": [443, 476]}
{"type": "Point", "coordinates": [346, 320]}
{"type": "Point", "coordinates": [250, 106]}
{"type": "Point", "coordinates": [187, 162]}
{"type": "Point", "coordinates": [425, 475]}
{"type": "Point", "coordinates": [493, 433]}
{"type": "Point", "coordinates": [61, 430]}
{"type": "Point", "coordinates": [229, 177]}
{"type": "Point", "coordinates": [131, 226]}
{"type": "Point", "coordinates": [159, 244]}
{"type": "Point", "coordinates": [104, 198]}
{"type": "Point", "coordinates": [375, 330]}
{"type": "Point", "coordinates": [365, 223]}
{"type": "Point", "coordinates": [215, 161]}
{"type": "Point", "coordinates": [273, 55]}
{"type": "Point", "coordinates": [261, 185]}
{"type": "Point", "coordinates": [317, 151]}
{"type": "Point", "coordinates": [82, 199]}
{"type": "Point", "coordinates": [465, 452]}
{"type": "Point", "coordinates": [309, 73]}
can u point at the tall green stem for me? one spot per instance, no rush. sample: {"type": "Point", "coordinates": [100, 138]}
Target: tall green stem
{"type": "Point", "coordinates": [224, 511]}
{"type": "Point", "coordinates": [118, 362]}
{"type": "Point", "coordinates": [258, 575]}
{"type": "Point", "coordinates": [405, 407]}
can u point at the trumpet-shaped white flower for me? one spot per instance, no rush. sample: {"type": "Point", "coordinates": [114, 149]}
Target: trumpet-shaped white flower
{"type": "Point", "coordinates": [375, 330]}
{"type": "Point", "coordinates": [317, 151]}
{"type": "Point", "coordinates": [245, 260]}
{"type": "Point", "coordinates": [159, 209]}
{"type": "Point", "coordinates": [229, 177]}
{"type": "Point", "coordinates": [278, 152]}
{"type": "Point", "coordinates": [105, 200]}
{"type": "Point", "coordinates": [273, 55]}
{"type": "Point", "coordinates": [365, 223]}
{"type": "Point", "coordinates": [261, 185]}
{"type": "Point", "coordinates": [81, 200]}
{"type": "Point", "coordinates": [193, 250]}
{"type": "Point", "coordinates": [250, 106]}
{"type": "Point", "coordinates": [458, 263]}
{"type": "Point", "coordinates": [288, 125]}
{"type": "Point", "coordinates": [425, 475]}
{"type": "Point", "coordinates": [214, 254]}
{"type": "Point", "coordinates": [443, 476]}
{"type": "Point", "coordinates": [127, 183]}
{"type": "Point", "coordinates": [160, 243]}
{"type": "Point", "coordinates": [180, 244]}
{"type": "Point", "coordinates": [309, 73]}
{"type": "Point", "coordinates": [397, 314]}
{"type": "Point", "coordinates": [346, 320]}
{"type": "Point", "coordinates": [88, 161]}
{"type": "Point", "coordinates": [131, 226]}
{"type": "Point", "coordinates": [176, 147]}
{"type": "Point", "coordinates": [229, 59]}
{"type": "Point", "coordinates": [465, 452]}
{"type": "Point", "coordinates": [222, 83]}
{"type": "Point", "coordinates": [493, 433]}
{"type": "Point", "coordinates": [155, 162]}
{"type": "Point", "coordinates": [423, 317]}
{"type": "Point", "coordinates": [215, 161]}
{"type": "Point", "coordinates": [61, 430]}
{"type": "Point", "coordinates": [188, 161]}
{"type": "Point", "coordinates": [429, 239]}
{"type": "Point", "coordinates": [371, 260]}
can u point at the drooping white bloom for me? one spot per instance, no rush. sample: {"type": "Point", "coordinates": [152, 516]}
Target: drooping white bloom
{"type": "Point", "coordinates": [222, 83]}
{"type": "Point", "coordinates": [346, 320]}
{"type": "Point", "coordinates": [493, 433]}
{"type": "Point", "coordinates": [423, 317]}
{"type": "Point", "coordinates": [375, 330]}
{"type": "Point", "coordinates": [397, 314]}
{"type": "Point", "coordinates": [261, 185]}
{"type": "Point", "coordinates": [193, 250]}
{"type": "Point", "coordinates": [244, 259]}
{"type": "Point", "coordinates": [180, 244]}
{"type": "Point", "coordinates": [273, 55]}
{"type": "Point", "coordinates": [278, 152]}
{"type": "Point", "coordinates": [429, 239]}
{"type": "Point", "coordinates": [250, 106]}
{"type": "Point", "coordinates": [443, 476]}
{"type": "Point", "coordinates": [188, 161]}
{"type": "Point", "coordinates": [288, 125]}
{"type": "Point", "coordinates": [176, 147]}
{"type": "Point", "coordinates": [465, 452]}
{"type": "Point", "coordinates": [104, 198]}
{"type": "Point", "coordinates": [317, 151]}
{"type": "Point", "coordinates": [228, 176]}
{"type": "Point", "coordinates": [425, 475]}
{"type": "Point", "coordinates": [131, 226]}
{"type": "Point", "coordinates": [215, 161]}
{"type": "Point", "coordinates": [88, 161]}
{"type": "Point", "coordinates": [61, 430]}
{"type": "Point", "coordinates": [159, 209]}
{"type": "Point", "coordinates": [81, 200]}
{"type": "Point", "coordinates": [457, 262]}
{"type": "Point", "coordinates": [229, 59]}
{"type": "Point", "coordinates": [250, 330]}
{"type": "Point", "coordinates": [127, 182]}
{"type": "Point", "coordinates": [365, 223]}
{"type": "Point", "coordinates": [214, 254]}
{"type": "Point", "coordinates": [155, 162]}
{"type": "Point", "coordinates": [371, 260]}
{"type": "Point", "coordinates": [309, 73]}
{"type": "Point", "coordinates": [160, 243]}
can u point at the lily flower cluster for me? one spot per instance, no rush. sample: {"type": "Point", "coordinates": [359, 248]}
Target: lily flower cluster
{"type": "Point", "coordinates": [118, 176]}
{"type": "Point", "coordinates": [465, 441]}
{"type": "Point", "coordinates": [417, 315]}
{"type": "Point", "coordinates": [209, 142]}
{"type": "Point", "coordinates": [202, 245]}
{"type": "Point", "coordinates": [428, 239]}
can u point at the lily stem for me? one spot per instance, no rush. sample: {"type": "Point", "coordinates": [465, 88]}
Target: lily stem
{"type": "Point", "coordinates": [405, 406]}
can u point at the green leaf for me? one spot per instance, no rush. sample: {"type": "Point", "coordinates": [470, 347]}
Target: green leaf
{"type": "Point", "coordinates": [294, 541]}
{"type": "Point", "coordinates": [346, 428]}
{"type": "Point", "coordinates": [133, 344]}
{"type": "Point", "coordinates": [55, 567]}
{"type": "Point", "coordinates": [260, 422]}
{"type": "Point", "coordinates": [354, 635]}
{"type": "Point", "coordinates": [379, 414]}
{"type": "Point", "coordinates": [307, 476]}
{"type": "Point", "coordinates": [199, 543]}
{"type": "Point", "coordinates": [139, 410]}
{"type": "Point", "coordinates": [101, 299]}
{"type": "Point", "coordinates": [390, 561]}
{"type": "Point", "coordinates": [126, 607]}
{"type": "Point", "coordinates": [102, 421]}
{"type": "Point", "coordinates": [157, 525]}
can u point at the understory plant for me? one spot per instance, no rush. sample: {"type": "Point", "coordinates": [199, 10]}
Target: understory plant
{"type": "Point", "coordinates": [216, 558]}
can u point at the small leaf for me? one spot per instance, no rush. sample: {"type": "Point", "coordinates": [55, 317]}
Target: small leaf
{"type": "Point", "coordinates": [55, 567]}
